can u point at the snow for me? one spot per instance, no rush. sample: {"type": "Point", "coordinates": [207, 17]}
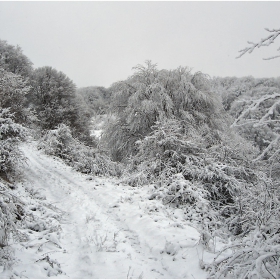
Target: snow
{"type": "Point", "coordinates": [100, 228]}
{"type": "Point", "coordinates": [97, 124]}
{"type": "Point", "coordinates": [255, 104]}
{"type": "Point", "coordinates": [96, 133]}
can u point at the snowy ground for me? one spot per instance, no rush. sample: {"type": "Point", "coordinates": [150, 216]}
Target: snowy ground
{"type": "Point", "coordinates": [97, 124]}
{"type": "Point", "coordinates": [96, 228]}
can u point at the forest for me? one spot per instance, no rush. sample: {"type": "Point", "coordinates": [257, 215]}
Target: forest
{"type": "Point", "coordinates": [207, 145]}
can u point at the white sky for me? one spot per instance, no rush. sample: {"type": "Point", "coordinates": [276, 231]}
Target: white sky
{"type": "Point", "coordinates": [98, 43]}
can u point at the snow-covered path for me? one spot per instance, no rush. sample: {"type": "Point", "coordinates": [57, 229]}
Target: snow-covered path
{"type": "Point", "coordinates": [110, 230]}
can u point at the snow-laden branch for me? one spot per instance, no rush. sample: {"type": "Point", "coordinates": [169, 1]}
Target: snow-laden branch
{"type": "Point", "coordinates": [254, 106]}
{"type": "Point", "coordinates": [264, 120]}
{"type": "Point", "coordinates": [272, 145]}
{"type": "Point", "coordinates": [262, 43]}
{"type": "Point", "coordinates": [270, 112]}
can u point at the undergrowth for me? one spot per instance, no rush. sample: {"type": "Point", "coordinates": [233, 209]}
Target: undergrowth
{"type": "Point", "coordinates": [223, 192]}
{"type": "Point", "coordinates": [27, 222]}
{"type": "Point", "coordinates": [11, 135]}
{"type": "Point", "coordinates": [60, 142]}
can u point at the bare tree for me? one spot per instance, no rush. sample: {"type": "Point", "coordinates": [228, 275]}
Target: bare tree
{"type": "Point", "coordinates": [274, 33]}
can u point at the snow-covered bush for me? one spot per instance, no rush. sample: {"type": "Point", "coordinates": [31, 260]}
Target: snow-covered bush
{"type": "Point", "coordinates": [176, 147]}
{"type": "Point", "coordinates": [11, 134]}
{"type": "Point", "coordinates": [192, 196]}
{"type": "Point", "coordinates": [60, 142]}
{"type": "Point", "coordinates": [181, 191]}
{"type": "Point", "coordinates": [222, 191]}
{"type": "Point", "coordinates": [186, 172]}
{"type": "Point", "coordinates": [11, 213]}
{"type": "Point", "coordinates": [11, 159]}
{"type": "Point", "coordinates": [255, 252]}
{"type": "Point", "coordinates": [253, 257]}
{"type": "Point", "coordinates": [23, 212]}
{"type": "Point", "coordinates": [57, 142]}
{"type": "Point", "coordinates": [163, 152]}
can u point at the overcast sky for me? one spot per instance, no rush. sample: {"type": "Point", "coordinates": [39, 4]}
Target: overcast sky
{"type": "Point", "coordinates": [98, 43]}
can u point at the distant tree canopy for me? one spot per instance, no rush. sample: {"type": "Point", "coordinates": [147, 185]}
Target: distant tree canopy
{"type": "Point", "coordinates": [97, 99]}
{"type": "Point", "coordinates": [42, 96]}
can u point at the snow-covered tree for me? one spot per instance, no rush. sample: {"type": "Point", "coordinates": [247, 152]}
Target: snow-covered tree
{"type": "Point", "coordinates": [56, 101]}
{"type": "Point", "coordinates": [13, 60]}
{"type": "Point", "coordinates": [151, 96]}
{"type": "Point", "coordinates": [97, 99]}
{"type": "Point", "coordinates": [13, 91]}
{"type": "Point", "coordinates": [53, 94]}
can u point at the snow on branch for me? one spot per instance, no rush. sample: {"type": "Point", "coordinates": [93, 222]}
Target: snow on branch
{"type": "Point", "coordinates": [255, 105]}
{"type": "Point", "coordinates": [270, 112]}
{"type": "Point", "coordinates": [267, 117]}
{"type": "Point", "coordinates": [262, 43]}
{"type": "Point", "coordinates": [272, 145]}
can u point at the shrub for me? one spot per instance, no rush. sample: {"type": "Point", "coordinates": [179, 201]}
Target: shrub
{"type": "Point", "coordinates": [255, 252]}
{"type": "Point", "coordinates": [206, 181]}
{"type": "Point", "coordinates": [60, 142]}
{"type": "Point", "coordinates": [175, 147]}
{"type": "Point", "coordinates": [11, 134]}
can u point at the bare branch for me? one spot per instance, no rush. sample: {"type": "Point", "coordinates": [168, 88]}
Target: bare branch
{"type": "Point", "coordinates": [262, 43]}
{"type": "Point", "coordinates": [269, 58]}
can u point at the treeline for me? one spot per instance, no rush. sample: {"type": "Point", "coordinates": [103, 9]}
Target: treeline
{"type": "Point", "coordinates": [209, 146]}
{"type": "Point", "coordinates": [42, 97]}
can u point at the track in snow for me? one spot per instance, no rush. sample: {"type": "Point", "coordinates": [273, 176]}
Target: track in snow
{"type": "Point", "coordinates": [111, 230]}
